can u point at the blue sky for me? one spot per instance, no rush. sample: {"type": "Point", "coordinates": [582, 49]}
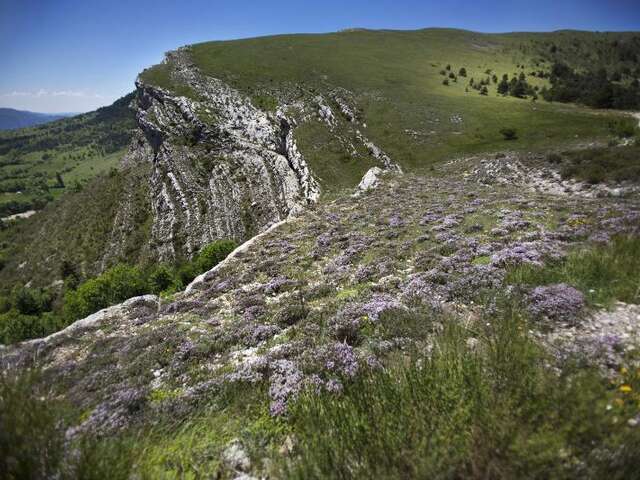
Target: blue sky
{"type": "Point", "coordinates": [72, 55]}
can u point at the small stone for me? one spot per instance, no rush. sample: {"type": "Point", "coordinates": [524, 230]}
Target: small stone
{"type": "Point", "coordinates": [287, 446]}
{"type": "Point", "coordinates": [235, 457]}
{"type": "Point", "coordinates": [244, 476]}
{"type": "Point", "coordinates": [370, 179]}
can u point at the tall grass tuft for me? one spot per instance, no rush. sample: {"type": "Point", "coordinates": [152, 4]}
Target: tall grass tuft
{"type": "Point", "coordinates": [483, 408]}
{"type": "Point", "coordinates": [604, 273]}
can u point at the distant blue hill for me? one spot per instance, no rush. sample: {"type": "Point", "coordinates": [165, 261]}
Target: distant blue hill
{"type": "Point", "coordinates": [11, 119]}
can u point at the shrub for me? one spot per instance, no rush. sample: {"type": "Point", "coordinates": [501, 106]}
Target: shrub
{"type": "Point", "coordinates": [15, 327]}
{"type": "Point", "coordinates": [31, 301]}
{"type": "Point", "coordinates": [559, 302]}
{"type": "Point", "coordinates": [291, 314]}
{"type": "Point", "coordinates": [595, 174]}
{"type": "Point", "coordinates": [462, 72]}
{"type": "Point", "coordinates": [445, 82]}
{"type": "Point", "coordinates": [161, 279]}
{"type": "Point", "coordinates": [113, 286]}
{"type": "Point", "coordinates": [509, 133]}
{"type": "Point", "coordinates": [214, 253]}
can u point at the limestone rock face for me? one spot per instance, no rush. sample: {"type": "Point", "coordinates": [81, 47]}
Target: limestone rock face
{"type": "Point", "coordinates": [221, 168]}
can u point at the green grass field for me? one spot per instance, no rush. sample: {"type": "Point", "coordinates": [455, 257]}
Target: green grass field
{"type": "Point", "coordinates": [395, 77]}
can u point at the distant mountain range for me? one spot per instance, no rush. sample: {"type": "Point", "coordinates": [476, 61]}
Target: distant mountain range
{"type": "Point", "coordinates": [11, 119]}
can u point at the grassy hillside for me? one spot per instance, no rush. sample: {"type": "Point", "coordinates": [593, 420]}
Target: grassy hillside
{"type": "Point", "coordinates": [38, 164]}
{"type": "Point", "coordinates": [397, 78]}
{"type": "Point", "coordinates": [76, 229]}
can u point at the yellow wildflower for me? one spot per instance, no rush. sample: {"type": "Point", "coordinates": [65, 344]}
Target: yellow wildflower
{"type": "Point", "coordinates": [625, 388]}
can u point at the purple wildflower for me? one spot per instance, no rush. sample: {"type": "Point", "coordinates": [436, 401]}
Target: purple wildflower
{"type": "Point", "coordinates": [556, 302]}
{"type": "Point", "coordinates": [340, 358]}
{"type": "Point", "coordinates": [285, 383]}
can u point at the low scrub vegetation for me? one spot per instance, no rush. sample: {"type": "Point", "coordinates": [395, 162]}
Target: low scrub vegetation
{"type": "Point", "coordinates": [610, 164]}
{"type": "Point", "coordinates": [483, 403]}
{"type": "Point", "coordinates": [509, 133]}
{"type": "Point", "coordinates": [491, 411]}
{"type": "Point", "coordinates": [30, 312]}
{"type": "Point", "coordinates": [604, 273]}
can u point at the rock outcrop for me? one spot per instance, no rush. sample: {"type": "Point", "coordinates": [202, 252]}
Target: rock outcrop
{"type": "Point", "coordinates": [221, 168]}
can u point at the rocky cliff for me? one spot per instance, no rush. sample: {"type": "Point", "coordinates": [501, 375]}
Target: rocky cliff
{"type": "Point", "coordinates": [221, 168]}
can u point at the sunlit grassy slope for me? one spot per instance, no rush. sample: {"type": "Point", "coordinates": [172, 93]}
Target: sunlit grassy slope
{"type": "Point", "coordinates": [397, 82]}
{"type": "Point", "coordinates": [77, 149]}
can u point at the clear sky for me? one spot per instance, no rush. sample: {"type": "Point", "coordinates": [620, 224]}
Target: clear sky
{"type": "Point", "coordinates": [76, 55]}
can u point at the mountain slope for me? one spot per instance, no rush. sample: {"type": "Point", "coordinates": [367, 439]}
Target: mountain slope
{"type": "Point", "coordinates": [391, 83]}
{"type": "Point", "coordinates": [11, 119]}
{"type": "Point", "coordinates": [318, 301]}
{"type": "Point", "coordinates": [449, 314]}
{"type": "Point", "coordinates": [40, 163]}
{"type": "Point", "coordinates": [235, 136]}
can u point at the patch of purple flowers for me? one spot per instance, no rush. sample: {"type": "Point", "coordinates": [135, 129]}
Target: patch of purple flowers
{"type": "Point", "coordinates": [556, 302]}
{"type": "Point", "coordinates": [517, 254]}
{"type": "Point", "coordinates": [395, 221]}
{"type": "Point", "coordinates": [379, 304]}
{"type": "Point", "coordinates": [285, 383]}
{"type": "Point", "coordinates": [340, 359]}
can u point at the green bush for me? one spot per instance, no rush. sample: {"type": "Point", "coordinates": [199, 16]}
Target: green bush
{"type": "Point", "coordinates": [15, 327]}
{"type": "Point", "coordinates": [213, 254]}
{"type": "Point", "coordinates": [31, 301]}
{"type": "Point", "coordinates": [509, 133]}
{"type": "Point", "coordinates": [113, 286]}
{"type": "Point", "coordinates": [28, 313]}
{"type": "Point", "coordinates": [161, 278]}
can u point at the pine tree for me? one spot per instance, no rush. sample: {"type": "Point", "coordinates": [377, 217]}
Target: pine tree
{"type": "Point", "coordinates": [503, 86]}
